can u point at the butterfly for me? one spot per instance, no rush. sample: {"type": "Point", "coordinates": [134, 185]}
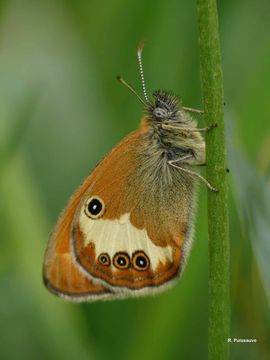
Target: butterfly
{"type": "Point", "coordinates": [127, 231]}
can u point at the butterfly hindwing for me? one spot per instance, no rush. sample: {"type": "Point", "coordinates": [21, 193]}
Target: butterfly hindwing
{"type": "Point", "coordinates": [126, 231]}
{"type": "Point", "coordinates": [131, 231]}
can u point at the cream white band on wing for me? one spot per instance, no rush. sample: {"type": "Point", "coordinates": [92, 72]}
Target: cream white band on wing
{"type": "Point", "coordinates": [113, 236]}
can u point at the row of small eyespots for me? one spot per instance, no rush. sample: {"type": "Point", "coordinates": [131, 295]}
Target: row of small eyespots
{"type": "Point", "coordinates": [121, 260]}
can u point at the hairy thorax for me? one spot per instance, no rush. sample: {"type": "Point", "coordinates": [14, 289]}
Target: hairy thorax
{"type": "Point", "coordinates": [175, 142]}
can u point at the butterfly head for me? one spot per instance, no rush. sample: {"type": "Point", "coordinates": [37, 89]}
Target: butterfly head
{"type": "Point", "coordinates": [164, 107]}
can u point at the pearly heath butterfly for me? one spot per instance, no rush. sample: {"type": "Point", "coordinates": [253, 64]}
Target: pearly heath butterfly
{"type": "Point", "coordinates": [127, 231]}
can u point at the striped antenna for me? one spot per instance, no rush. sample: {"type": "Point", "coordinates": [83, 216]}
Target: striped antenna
{"type": "Point", "coordinates": [139, 53]}
{"type": "Point", "coordinates": [122, 81]}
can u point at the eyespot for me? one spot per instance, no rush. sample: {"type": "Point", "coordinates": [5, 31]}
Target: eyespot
{"type": "Point", "coordinates": [160, 113]}
{"type": "Point", "coordinates": [140, 261]}
{"type": "Point", "coordinates": [94, 207]}
{"type": "Point", "coordinates": [104, 259]}
{"type": "Point", "coordinates": [121, 260]}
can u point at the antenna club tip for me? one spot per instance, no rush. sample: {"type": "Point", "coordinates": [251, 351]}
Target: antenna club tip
{"type": "Point", "coordinates": [140, 48]}
{"type": "Point", "coordinates": [119, 78]}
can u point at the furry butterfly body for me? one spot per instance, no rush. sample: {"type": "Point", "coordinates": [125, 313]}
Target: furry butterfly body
{"type": "Point", "coordinates": [127, 231]}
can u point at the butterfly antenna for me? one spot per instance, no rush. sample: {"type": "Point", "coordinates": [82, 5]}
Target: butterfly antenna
{"type": "Point", "coordinates": [122, 81]}
{"type": "Point", "coordinates": [139, 53]}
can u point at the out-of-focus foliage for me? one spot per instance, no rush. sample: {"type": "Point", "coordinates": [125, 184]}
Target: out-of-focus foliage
{"type": "Point", "coordinates": [61, 111]}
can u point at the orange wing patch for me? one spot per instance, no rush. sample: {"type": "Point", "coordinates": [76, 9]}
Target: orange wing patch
{"type": "Point", "coordinates": [60, 274]}
{"type": "Point", "coordinates": [64, 279]}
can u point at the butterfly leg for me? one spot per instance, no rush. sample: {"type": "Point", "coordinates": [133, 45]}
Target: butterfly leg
{"type": "Point", "coordinates": [205, 129]}
{"type": "Point", "coordinates": [193, 110]}
{"type": "Point", "coordinates": [193, 173]}
{"type": "Point", "coordinates": [189, 109]}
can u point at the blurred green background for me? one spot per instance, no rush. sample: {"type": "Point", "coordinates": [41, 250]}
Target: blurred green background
{"type": "Point", "coordinates": [61, 111]}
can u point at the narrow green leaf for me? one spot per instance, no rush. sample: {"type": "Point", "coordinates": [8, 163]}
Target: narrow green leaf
{"type": "Point", "coordinates": [253, 204]}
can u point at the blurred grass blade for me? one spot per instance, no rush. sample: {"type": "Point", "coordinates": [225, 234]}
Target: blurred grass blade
{"type": "Point", "coordinates": [253, 204]}
{"type": "Point", "coordinates": [21, 122]}
{"type": "Point", "coordinates": [51, 323]}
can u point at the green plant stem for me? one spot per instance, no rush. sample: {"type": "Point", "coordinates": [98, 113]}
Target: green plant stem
{"type": "Point", "coordinates": [212, 91]}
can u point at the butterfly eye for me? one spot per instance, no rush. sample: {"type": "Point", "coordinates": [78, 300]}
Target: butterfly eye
{"type": "Point", "coordinates": [104, 259]}
{"type": "Point", "coordinates": [140, 261]}
{"type": "Point", "coordinates": [121, 260]}
{"type": "Point", "coordinates": [94, 207]}
{"type": "Point", "coordinates": [160, 113]}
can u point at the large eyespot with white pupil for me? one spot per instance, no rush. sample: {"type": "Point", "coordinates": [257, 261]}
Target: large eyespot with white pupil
{"type": "Point", "coordinates": [140, 261]}
{"type": "Point", "coordinates": [94, 207]}
{"type": "Point", "coordinates": [104, 259]}
{"type": "Point", "coordinates": [160, 113]}
{"type": "Point", "coordinates": [121, 261]}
